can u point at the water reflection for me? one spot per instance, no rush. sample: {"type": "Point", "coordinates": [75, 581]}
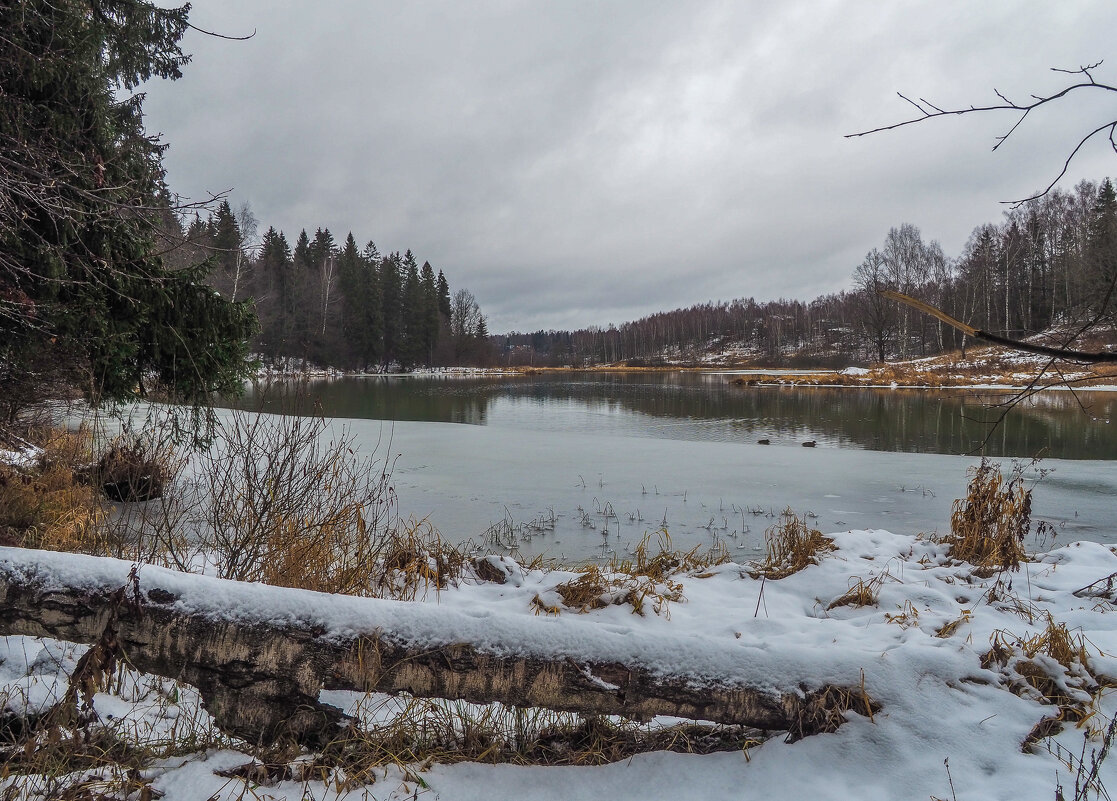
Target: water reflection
{"type": "Point", "coordinates": [706, 407]}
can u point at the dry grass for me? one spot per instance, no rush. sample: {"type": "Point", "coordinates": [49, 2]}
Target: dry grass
{"type": "Point", "coordinates": [413, 733]}
{"type": "Point", "coordinates": [791, 546]}
{"type": "Point", "coordinates": [1052, 666]}
{"type": "Point", "coordinates": [49, 505]}
{"type": "Point", "coordinates": [69, 752]}
{"type": "Point", "coordinates": [642, 582]}
{"type": "Point", "coordinates": [861, 592]}
{"type": "Point", "coordinates": [416, 559]}
{"type": "Point", "coordinates": [947, 630]}
{"type": "Point", "coordinates": [988, 527]}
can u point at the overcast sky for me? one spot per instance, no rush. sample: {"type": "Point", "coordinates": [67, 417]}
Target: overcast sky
{"type": "Point", "coordinates": [581, 162]}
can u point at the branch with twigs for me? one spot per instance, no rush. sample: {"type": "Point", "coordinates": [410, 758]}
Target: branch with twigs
{"type": "Point", "coordinates": [929, 111]}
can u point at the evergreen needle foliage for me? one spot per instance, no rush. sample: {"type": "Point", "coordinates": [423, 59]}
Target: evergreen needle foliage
{"type": "Point", "coordinates": [85, 299]}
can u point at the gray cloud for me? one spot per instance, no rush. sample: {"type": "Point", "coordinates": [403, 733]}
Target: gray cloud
{"type": "Point", "coordinates": [579, 163]}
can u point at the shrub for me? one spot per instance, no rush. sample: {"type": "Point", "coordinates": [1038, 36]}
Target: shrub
{"type": "Point", "coordinates": [135, 468]}
{"type": "Point", "coordinates": [791, 546]}
{"type": "Point", "coordinates": [988, 527]}
{"type": "Point", "coordinates": [281, 501]}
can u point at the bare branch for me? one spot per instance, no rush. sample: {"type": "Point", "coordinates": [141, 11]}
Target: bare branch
{"type": "Point", "coordinates": [928, 111]}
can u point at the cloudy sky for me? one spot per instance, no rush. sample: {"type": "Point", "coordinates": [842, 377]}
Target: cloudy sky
{"type": "Point", "coordinates": [581, 162]}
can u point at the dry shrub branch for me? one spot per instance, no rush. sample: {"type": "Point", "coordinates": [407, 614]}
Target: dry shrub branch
{"type": "Point", "coordinates": [289, 503]}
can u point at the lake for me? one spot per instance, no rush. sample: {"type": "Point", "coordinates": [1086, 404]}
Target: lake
{"type": "Point", "coordinates": [707, 407]}
{"type": "Point", "coordinates": [578, 465]}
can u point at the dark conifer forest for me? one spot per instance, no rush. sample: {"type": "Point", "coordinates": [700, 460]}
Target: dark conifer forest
{"type": "Point", "coordinates": [337, 304]}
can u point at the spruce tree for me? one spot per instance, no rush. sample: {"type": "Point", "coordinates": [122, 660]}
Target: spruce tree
{"type": "Point", "coordinates": [1101, 253]}
{"type": "Point", "coordinates": [83, 291]}
{"type": "Point", "coordinates": [278, 313]}
{"type": "Point", "coordinates": [430, 325]}
{"type": "Point", "coordinates": [390, 291]}
{"type": "Point", "coordinates": [350, 277]}
{"type": "Point", "coordinates": [372, 347]}
{"type": "Point", "coordinates": [410, 351]}
{"type": "Point", "coordinates": [444, 307]}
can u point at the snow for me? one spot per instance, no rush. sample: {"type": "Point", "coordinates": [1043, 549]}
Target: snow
{"type": "Point", "coordinates": [24, 458]}
{"type": "Point", "coordinates": [937, 701]}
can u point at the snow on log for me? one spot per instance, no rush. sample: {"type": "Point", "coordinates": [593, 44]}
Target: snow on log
{"type": "Point", "coordinates": [260, 655]}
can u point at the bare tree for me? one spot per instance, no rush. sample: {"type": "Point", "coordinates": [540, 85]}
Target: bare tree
{"type": "Point", "coordinates": [1081, 81]}
{"type": "Point", "coordinates": [249, 244]}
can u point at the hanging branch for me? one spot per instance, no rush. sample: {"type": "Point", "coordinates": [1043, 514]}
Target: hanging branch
{"type": "Point", "coordinates": [929, 111]}
{"type": "Point", "coordinates": [997, 339]}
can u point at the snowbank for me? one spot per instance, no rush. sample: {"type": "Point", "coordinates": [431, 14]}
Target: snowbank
{"type": "Point", "coordinates": [918, 648]}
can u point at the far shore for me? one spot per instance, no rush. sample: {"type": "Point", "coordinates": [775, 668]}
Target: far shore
{"type": "Point", "coordinates": [982, 368]}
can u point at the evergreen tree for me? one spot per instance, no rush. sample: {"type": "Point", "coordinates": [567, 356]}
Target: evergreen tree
{"type": "Point", "coordinates": [302, 298]}
{"type": "Point", "coordinates": [410, 350]}
{"type": "Point", "coordinates": [443, 296]}
{"type": "Point", "coordinates": [277, 315]}
{"type": "Point", "coordinates": [82, 289]}
{"type": "Point", "coordinates": [1101, 253]}
{"type": "Point", "coordinates": [350, 277]}
{"type": "Point", "coordinates": [390, 292]}
{"type": "Point", "coordinates": [224, 235]}
{"type": "Point", "coordinates": [431, 317]}
{"type": "Point", "coordinates": [302, 254]}
{"type": "Point", "coordinates": [372, 307]}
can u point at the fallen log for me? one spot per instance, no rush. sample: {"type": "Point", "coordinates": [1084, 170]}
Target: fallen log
{"type": "Point", "coordinates": [260, 655]}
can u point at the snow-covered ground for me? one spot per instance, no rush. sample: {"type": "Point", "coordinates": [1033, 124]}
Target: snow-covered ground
{"type": "Point", "coordinates": [947, 725]}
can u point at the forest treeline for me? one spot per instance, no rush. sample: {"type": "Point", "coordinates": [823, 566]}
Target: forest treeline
{"type": "Point", "coordinates": [1050, 263]}
{"type": "Point", "coordinates": [339, 305]}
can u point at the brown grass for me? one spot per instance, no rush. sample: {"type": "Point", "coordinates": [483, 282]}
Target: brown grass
{"type": "Point", "coordinates": [947, 629]}
{"type": "Point", "coordinates": [791, 545]}
{"type": "Point", "coordinates": [645, 581]}
{"type": "Point", "coordinates": [416, 558]}
{"type": "Point", "coordinates": [1026, 663]}
{"type": "Point", "coordinates": [861, 592]}
{"type": "Point", "coordinates": [49, 505]}
{"type": "Point", "coordinates": [424, 731]}
{"type": "Point", "coordinates": [989, 525]}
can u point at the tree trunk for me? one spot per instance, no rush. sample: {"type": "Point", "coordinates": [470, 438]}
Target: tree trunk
{"type": "Point", "coordinates": [260, 678]}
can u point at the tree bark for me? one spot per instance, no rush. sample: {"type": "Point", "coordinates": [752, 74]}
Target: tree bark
{"type": "Point", "coordinates": [261, 680]}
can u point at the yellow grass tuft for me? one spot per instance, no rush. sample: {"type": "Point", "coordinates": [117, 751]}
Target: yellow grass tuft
{"type": "Point", "coordinates": [989, 525]}
{"type": "Point", "coordinates": [792, 545]}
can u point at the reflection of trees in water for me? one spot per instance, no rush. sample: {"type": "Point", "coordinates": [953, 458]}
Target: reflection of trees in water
{"type": "Point", "coordinates": [696, 406]}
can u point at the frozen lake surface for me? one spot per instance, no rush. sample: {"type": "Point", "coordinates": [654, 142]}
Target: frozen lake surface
{"type": "Point", "coordinates": [583, 466]}
{"type": "Point", "coordinates": [464, 479]}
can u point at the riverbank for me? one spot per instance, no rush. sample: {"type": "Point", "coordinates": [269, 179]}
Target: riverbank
{"type": "Point", "coordinates": [954, 679]}
{"type": "Point", "coordinates": [982, 367]}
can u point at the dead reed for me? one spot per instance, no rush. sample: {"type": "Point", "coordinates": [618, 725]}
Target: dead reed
{"type": "Point", "coordinates": [646, 581]}
{"type": "Point", "coordinates": [791, 546]}
{"type": "Point", "coordinates": [989, 526]}
{"type": "Point", "coordinates": [1052, 666]}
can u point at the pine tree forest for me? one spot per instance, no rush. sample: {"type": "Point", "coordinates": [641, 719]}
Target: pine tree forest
{"type": "Point", "coordinates": [342, 305]}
